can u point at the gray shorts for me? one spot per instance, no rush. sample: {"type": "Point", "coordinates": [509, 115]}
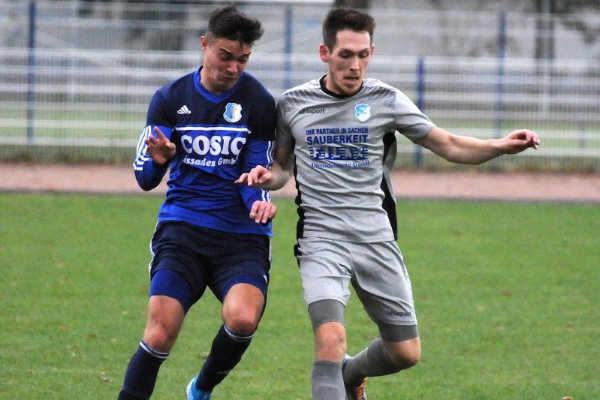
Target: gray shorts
{"type": "Point", "coordinates": [375, 270]}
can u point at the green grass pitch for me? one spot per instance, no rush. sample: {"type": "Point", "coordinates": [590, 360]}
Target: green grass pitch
{"type": "Point", "coordinates": [507, 297]}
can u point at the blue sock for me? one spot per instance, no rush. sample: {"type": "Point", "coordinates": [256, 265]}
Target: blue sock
{"type": "Point", "coordinates": [226, 352]}
{"type": "Point", "coordinates": [141, 373]}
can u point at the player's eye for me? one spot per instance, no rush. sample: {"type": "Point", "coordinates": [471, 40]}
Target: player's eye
{"type": "Point", "coordinates": [225, 56]}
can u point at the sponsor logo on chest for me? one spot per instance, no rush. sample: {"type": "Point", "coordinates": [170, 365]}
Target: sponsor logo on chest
{"type": "Point", "coordinates": [215, 144]}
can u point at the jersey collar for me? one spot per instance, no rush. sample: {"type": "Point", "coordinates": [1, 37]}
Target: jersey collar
{"type": "Point", "coordinates": [210, 96]}
{"type": "Point", "coordinates": [329, 92]}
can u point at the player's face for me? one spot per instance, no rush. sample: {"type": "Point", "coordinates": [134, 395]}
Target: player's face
{"type": "Point", "coordinates": [347, 62]}
{"type": "Point", "coordinates": [224, 62]}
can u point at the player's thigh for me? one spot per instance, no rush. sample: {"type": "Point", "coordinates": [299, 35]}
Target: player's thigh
{"type": "Point", "coordinates": [325, 269]}
{"type": "Point", "coordinates": [241, 259]}
{"type": "Point", "coordinates": [178, 268]}
{"type": "Point", "coordinates": [382, 283]}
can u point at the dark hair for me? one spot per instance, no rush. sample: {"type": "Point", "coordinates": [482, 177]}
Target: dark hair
{"type": "Point", "coordinates": [229, 23]}
{"type": "Point", "coordinates": [341, 18]}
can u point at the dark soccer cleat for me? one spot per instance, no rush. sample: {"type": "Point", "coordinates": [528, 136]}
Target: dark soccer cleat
{"type": "Point", "coordinates": [355, 392]}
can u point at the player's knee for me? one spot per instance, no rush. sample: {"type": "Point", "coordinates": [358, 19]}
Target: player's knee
{"type": "Point", "coordinates": [243, 308]}
{"type": "Point", "coordinates": [159, 338]}
{"type": "Point", "coordinates": [243, 325]}
{"type": "Point", "coordinates": [241, 320]}
{"type": "Point", "coordinates": [403, 353]}
{"type": "Point", "coordinates": [410, 360]}
{"type": "Point", "coordinates": [406, 356]}
{"type": "Point", "coordinates": [330, 341]}
{"type": "Point", "coordinates": [402, 344]}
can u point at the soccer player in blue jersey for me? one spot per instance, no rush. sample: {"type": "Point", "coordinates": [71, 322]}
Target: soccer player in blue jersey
{"type": "Point", "coordinates": [337, 136]}
{"type": "Point", "coordinates": [207, 127]}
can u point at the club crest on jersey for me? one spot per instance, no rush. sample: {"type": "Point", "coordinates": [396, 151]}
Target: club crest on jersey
{"type": "Point", "coordinates": [362, 112]}
{"type": "Point", "coordinates": [233, 112]}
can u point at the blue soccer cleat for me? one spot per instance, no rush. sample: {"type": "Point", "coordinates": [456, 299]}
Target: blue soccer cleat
{"type": "Point", "coordinates": [192, 393]}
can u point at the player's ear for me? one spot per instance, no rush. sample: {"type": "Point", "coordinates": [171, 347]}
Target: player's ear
{"type": "Point", "coordinates": [324, 53]}
{"type": "Point", "coordinates": [203, 43]}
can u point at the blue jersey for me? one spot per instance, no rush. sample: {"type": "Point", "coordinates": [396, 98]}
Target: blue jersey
{"type": "Point", "coordinates": [217, 138]}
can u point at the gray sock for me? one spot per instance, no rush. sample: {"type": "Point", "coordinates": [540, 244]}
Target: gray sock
{"type": "Point", "coordinates": [327, 382]}
{"type": "Point", "coordinates": [372, 361]}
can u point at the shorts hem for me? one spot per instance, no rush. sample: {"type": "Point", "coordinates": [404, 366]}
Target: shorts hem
{"type": "Point", "coordinates": [314, 300]}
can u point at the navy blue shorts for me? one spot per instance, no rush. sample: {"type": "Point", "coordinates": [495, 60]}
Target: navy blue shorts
{"type": "Point", "coordinates": [188, 258]}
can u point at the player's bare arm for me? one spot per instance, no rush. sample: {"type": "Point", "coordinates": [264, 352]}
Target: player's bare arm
{"type": "Point", "coordinates": [469, 150]}
{"type": "Point", "coordinates": [160, 148]}
{"type": "Point", "coordinates": [272, 179]}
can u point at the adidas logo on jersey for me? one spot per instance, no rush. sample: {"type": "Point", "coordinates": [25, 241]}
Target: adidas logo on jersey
{"type": "Point", "coordinates": [184, 110]}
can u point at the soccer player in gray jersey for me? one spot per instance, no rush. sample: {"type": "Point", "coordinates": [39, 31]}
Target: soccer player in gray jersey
{"type": "Point", "coordinates": [338, 135]}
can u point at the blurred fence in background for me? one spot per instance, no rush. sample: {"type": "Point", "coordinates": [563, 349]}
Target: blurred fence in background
{"type": "Point", "coordinates": [76, 77]}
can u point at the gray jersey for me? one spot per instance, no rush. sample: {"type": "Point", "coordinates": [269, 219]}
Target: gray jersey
{"type": "Point", "coordinates": [345, 148]}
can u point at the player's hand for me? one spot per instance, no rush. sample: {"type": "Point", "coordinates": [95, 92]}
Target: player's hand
{"type": "Point", "coordinates": [259, 177]}
{"type": "Point", "coordinates": [262, 211]}
{"type": "Point", "coordinates": [519, 140]}
{"type": "Point", "coordinates": [160, 148]}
